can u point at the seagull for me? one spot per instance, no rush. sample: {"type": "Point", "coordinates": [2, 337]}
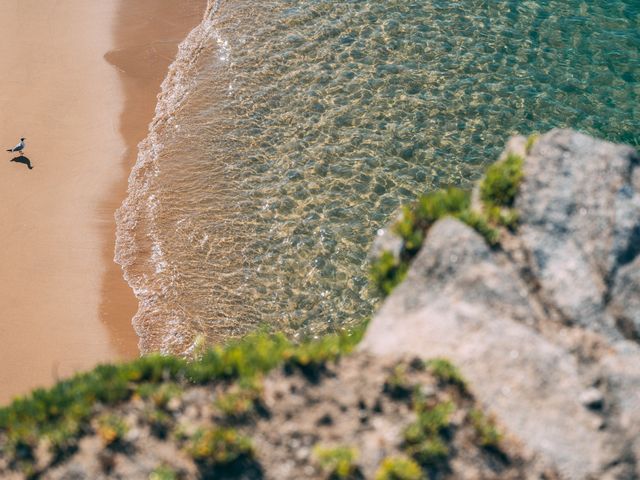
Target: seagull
{"type": "Point", "coordinates": [18, 148]}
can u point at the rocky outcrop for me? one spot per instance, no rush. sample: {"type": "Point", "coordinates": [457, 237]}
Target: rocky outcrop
{"type": "Point", "coordinates": [547, 324]}
{"type": "Point", "coordinates": [291, 424]}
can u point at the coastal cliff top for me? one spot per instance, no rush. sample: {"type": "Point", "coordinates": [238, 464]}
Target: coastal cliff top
{"type": "Point", "coordinates": [508, 347]}
{"type": "Point", "coordinates": [532, 288]}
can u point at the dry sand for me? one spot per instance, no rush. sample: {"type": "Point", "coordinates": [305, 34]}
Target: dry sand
{"type": "Point", "coordinates": [63, 303]}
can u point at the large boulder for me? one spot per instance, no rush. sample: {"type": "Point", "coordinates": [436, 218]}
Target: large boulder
{"type": "Point", "coordinates": [546, 325]}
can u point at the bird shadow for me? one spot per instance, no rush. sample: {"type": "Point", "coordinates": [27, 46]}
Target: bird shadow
{"type": "Point", "coordinates": [22, 159]}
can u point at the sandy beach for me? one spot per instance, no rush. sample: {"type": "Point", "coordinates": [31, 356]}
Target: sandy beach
{"type": "Point", "coordinates": [79, 81]}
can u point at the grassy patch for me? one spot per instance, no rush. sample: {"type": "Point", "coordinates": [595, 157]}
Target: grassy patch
{"type": "Point", "coordinates": [500, 184]}
{"type": "Point", "coordinates": [399, 468]}
{"type": "Point", "coordinates": [218, 447]}
{"type": "Point", "coordinates": [64, 440]}
{"type": "Point", "coordinates": [339, 462]}
{"type": "Point", "coordinates": [423, 439]}
{"type": "Point", "coordinates": [159, 394]}
{"type": "Point", "coordinates": [499, 188]}
{"type": "Point", "coordinates": [63, 412]}
{"type": "Point", "coordinates": [111, 429]}
{"type": "Point", "coordinates": [531, 140]}
{"type": "Point", "coordinates": [418, 218]}
{"type": "Point", "coordinates": [387, 272]}
{"type": "Point", "coordinates": [486, 430]}
{"type": "Point", "coordinates": [433, 420]}
{"type": "Point", "coordinates": [397, 383]}
{"type": "Point", "coordinates": [447, 373]}
{"type": "Point", "coordinates": [163, 473]}
{"type": "Point", "coordinates": [429, 451]}
{"type": "Point", "coordinates": [240, 401]}
{"type": "Point", "coordinates": [159, 421]}
{"type": "Point", "coordinates": [480, 224]}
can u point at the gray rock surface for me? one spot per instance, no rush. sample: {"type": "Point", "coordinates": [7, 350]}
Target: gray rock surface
{"type": "Point", "coordinates": [625, 300]}
{"type": "Point", "coordinates": [580, 215]}
{"type": "Point", "coordinates": [545, 327]}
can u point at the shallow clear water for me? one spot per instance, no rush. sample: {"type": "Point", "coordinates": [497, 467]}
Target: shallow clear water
{"type": "Point", "coordinates": [290, 131]}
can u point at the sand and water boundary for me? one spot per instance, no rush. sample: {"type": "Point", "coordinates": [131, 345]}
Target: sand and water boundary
{"type": "Point", "coordinates": [80, 83]}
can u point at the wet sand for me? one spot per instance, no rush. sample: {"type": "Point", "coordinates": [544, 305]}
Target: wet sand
{"type": "Point", "coordinates": [63, 303]}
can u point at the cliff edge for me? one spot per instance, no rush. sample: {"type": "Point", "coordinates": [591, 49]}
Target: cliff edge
{"type": "Point", "coordinates": [543, 317]}
{"type": "Point", "coordinates": [508, 348]}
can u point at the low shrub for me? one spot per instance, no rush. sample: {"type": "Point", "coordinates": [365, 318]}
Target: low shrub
{"type": "Point", "coordinates": [159, 394]}
{"type": "Point", "coordinates": [218, 447]}
{"type": "Point", "coordinates": [486, 430]}
{"type": "Point", "coordinates": [387, 272]}
{"type": "Point", "coordinates": [399, 468]}
{"type": "Point", "coordinates": [418, 218]}
{"type": "Point", "coordinates": [159, 421]}
{"type": "Point", "coordinates": [429, 452]}
{"type": "Point", "coordinates": [531, 141]}
{"type": "Point", "coordinates": [499, 188]}
{"type": "Point", "coordinates": [310, 357]}
{"type": "Point", "coordinates": [163, 473]}
{"type": "Point", "coordinates": [63, 440]}
{"type": "Point", "coordinates": [397, 383]}
{"type": "Point", "coordinates": [447, 373]}
{"type": "Point", "coordinates": [339, 462]}
{"type": "Point", "coordinates": [111, 429]}
{"type": "Point", "coordinates": [241, 400]}
{"type": "Point", "coordinates": [500, 184]}
{"type": "Point", "coordinates": [423, 439]}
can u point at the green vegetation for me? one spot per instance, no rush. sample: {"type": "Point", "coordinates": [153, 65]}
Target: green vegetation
{"type": "Point", "coordinates": [159, 421]}
{"type": "Point", "coordinates": [399, 468]}
{"type": "Point", "coordinates": [423, 439]}
{"type": "Point", "coordinates": [63, 412]}
{"type": "Point", "coordinates": [531, 140]}
{"type": "Point", "coordinates": [418, 218]}
{"type": "Point", "coordinates": [112, 429]}
{"type": "Point", "coordinates": [64, 439]}
{"type": "Point", "coordinates": [339, 462]}
{"type": "Point", "coordinates": [387, 272]}
{"type": "Point", "coordinates": [240, 401]}
{"type": "Point", "coordinates": [447, 373]}
{"type": "Point", "coordinates": [159, 394]}
{"type": "Point", "coordinates": [309, 357]}
{"type": "Point", "coordinates": [397, 383]}
{"type": "Point", "coordinates": [429, 451]}
{"type": "Point", "coordinates": [500, 184]}
{"type": "Point", "coordinates": [499, 188]}
{"type": "Point", "coordinates": [163, 473]}
{"type": "Point", "coordinates": [488, 434]}
{"type": "Point", "coordinates": [480, 224]}
{"type": "Point", "coordinates": [433, 420]}
{"type": "Point", "coordinates": [507, 217]}
{"type": "Point", "coordinates": [219, 447]}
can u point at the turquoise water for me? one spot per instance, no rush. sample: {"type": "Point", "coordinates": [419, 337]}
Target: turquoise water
{"type": "Point", "coordinates": [291, 131]}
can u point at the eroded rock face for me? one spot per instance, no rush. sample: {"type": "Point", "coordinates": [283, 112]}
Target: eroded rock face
{"type": "Point", "coordinates": [545, 326]}
{"type": "Point", "coordinates": [580, 215]}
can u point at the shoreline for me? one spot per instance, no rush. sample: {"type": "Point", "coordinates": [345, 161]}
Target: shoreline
{"type": "Point", "coordinates": [142, 66]}
{"type": "Point", "coordinates": [64, 302]}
